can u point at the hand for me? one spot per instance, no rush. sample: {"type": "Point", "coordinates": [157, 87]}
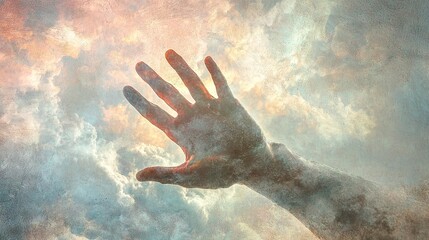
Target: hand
{"type": "Point", "coordinates": [220, 140]}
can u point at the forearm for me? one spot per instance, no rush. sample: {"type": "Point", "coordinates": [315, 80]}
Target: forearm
{"type": "Point", "coordinates": [335, 205]}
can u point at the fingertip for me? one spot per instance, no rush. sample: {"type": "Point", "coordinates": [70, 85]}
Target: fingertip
{"type": "Point", "coordinates": [139, 66]}
{"type": "Point", "coordinates": [132, 95]}
{"type": "Point", "coordinates": [139, 176]}
{"type": "Point", "coordinates": [127, 90]}
{"type": "Point", "coordinates": [210, 64]}
{"type": "Point", "coordinates": [147, 174]}
{"type": "Point", "coordinates": [170, 53]}
{"type": "Point", "coordinates": [208, 60]}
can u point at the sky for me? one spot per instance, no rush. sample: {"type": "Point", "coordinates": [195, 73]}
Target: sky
{"type": "Point", "coordinates": [342, 83]}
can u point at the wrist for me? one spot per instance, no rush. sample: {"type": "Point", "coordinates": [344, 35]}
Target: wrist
{"type": "Point", "coordinates": [270, 164]}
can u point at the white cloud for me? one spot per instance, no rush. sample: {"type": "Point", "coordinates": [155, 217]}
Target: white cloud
{"type": "Point", "coordinates": [342, 83]}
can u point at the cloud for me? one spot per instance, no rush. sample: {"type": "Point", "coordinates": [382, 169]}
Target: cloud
{"type": "Point", "coordinates": [341, 83]}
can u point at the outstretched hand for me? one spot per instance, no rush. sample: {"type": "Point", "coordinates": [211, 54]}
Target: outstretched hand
{"type": "Point", "coordinates": [223, 146]}
{"type": "Point", "coordinates": [220, 140]}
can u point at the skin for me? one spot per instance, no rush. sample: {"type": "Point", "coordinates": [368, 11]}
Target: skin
{"type": "Point", "coordinates": [215, 134]}
{"type": "Point", "coordinates": [223, 146]}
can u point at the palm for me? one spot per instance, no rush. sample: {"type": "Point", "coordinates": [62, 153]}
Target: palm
{"type": "Point", "coordinates": [214, 134]}
{"type": "Point", "coordinates": [213, 130]}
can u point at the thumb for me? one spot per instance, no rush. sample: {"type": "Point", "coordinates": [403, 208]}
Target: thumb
{"type": "Point", "coordinates": [165, 175]}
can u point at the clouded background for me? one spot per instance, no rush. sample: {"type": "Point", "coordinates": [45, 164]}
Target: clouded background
{"type": "Point", "coordinates": [344, 83]}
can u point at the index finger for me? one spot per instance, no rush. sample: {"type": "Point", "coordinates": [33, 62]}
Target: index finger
{"type": "Point", "coordinates": [219, 80]}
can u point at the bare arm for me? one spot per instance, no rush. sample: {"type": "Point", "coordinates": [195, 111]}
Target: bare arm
{"type": "Point", "coordinates": [223, 146]}
{"type": "Point", "coordinates": [334, 205]}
